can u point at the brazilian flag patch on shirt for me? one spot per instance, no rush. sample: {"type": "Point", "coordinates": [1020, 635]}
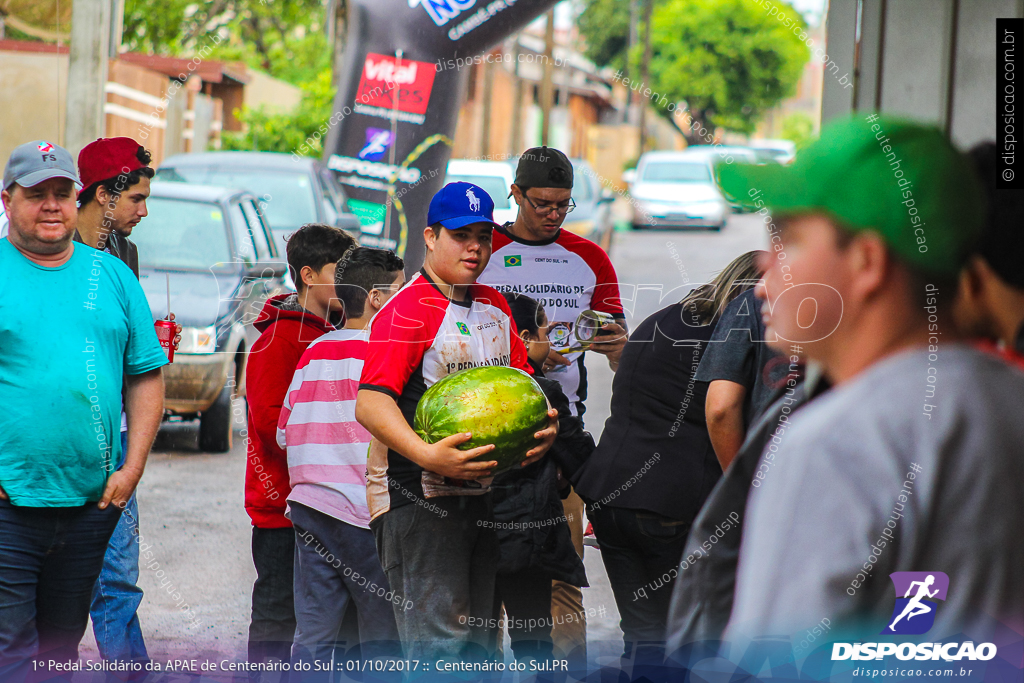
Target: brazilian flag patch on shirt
{"type": "Point", "coordinates": [462, 328]}
{"type": "Point", "coordinates": [513, 261]}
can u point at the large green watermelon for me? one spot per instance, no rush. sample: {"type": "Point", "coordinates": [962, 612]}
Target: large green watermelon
{"type": "Point", "coordinates": [499, 405]}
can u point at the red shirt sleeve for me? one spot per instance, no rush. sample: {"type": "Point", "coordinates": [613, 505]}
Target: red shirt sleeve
{"type": "Point", "coordinates": [400, 335]}
{"type": "Point", "coordinates": [606, 290]}
{"type": "Point", "coordinates": [605, 297]}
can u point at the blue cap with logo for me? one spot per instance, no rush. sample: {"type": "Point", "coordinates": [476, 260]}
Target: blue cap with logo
{"type": "Point", "coordinates": [457, 205]}
{"type": "Point", "coordinates": [34, 162]}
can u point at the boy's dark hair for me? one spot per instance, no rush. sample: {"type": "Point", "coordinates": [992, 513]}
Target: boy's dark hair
{"type": "Point", "coordinates": [1002, 240]}
{"type": "Point", "coordinates": [315, 245]}
{"type": "Point", "coordinates": [526, 312]}
{"type": "Point", "coordinates": [359, 271]}
{"type": "Point", "coordinates": [120, 183]}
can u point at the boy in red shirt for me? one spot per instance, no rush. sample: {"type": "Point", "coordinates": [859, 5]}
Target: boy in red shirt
{"type": "Point", "coordinates": [429, 503]}
{"type": "Point", "coordinates": [287, 325]}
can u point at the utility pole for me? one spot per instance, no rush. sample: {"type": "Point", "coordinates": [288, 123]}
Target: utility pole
{"type": "Point", "coordinates": [546, 85]}
{"type": "Point", "coordinates": [336, 28]}
{"type": "Point", "coordinates": [517, 99]}
{"type": "Point", "coordinates": [645, 66]}
{"type": "Point", "coordinates": [486, 110]}
{"type": "Point", "coordinates": [87, 73]}
{"type": "Point", "coordinates": [634, 17]}
{"type": "Point", "coordinates": [116, 28]}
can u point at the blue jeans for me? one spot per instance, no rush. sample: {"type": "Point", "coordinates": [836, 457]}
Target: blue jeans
{"type": "Point", "coordinates": [116, 596]}
{"type": "Point", "coordinates": [49, 561]}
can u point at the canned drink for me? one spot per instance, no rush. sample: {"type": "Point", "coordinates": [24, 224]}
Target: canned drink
{"type": "Point", "coordinates": [588, 326]}
{"type": "Point", "coordinates": [165, 332]}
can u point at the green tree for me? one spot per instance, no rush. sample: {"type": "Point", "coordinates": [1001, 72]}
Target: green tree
{"type": "Point", "coordinates": [798, 128]}
{"type": "Point", "coordinates": [605, 27]}
{"type": "Point", "coordinates": [285, 38]}
{"type": "Point", "coordinates": [727, 59]}
{"type": "Point", "coordinates": [288, 132]}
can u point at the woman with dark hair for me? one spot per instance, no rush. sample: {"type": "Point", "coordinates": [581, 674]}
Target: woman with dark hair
{"type": "Point", "coordinates": [655, 465]}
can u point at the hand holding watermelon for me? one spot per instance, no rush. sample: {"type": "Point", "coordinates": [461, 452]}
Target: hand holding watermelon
{"type": "Point", "coordinates": [445, 458]}
{"type": "Point", "coordinates": [495, 414]}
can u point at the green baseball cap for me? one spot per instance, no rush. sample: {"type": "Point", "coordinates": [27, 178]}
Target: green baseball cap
{"type": "Point", "coordinates": [902, 179]}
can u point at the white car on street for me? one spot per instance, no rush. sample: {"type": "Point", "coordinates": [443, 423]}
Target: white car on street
{"type": "Point", "coordinates": [676, 190]}
{"type": "Point", "coordinates": [495, 177]}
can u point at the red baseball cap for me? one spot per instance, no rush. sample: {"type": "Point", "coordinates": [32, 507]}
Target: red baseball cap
{"type": "Point", "coordinates": [107, 158]}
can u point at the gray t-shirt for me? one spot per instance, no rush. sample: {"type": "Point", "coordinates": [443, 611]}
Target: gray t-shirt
{"type": "Point", "coordinates": [866, 453]}
{"type": "Point", "coordinates": [738, 353]}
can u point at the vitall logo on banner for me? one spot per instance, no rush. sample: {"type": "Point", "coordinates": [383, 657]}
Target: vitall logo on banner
{"type": "Point", "coordinates": [441, 11]}
{"type": "Point", "coordinates": [383, 75]}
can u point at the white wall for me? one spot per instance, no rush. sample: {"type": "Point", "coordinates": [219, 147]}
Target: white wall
{"type": "Point", "coordinates": [35, 88]}
{"type": "Point", "coordinates": [932, 60]}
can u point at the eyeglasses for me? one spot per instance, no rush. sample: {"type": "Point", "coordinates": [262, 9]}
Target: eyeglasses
{"type": "Point", "coordinates": [545, 209]}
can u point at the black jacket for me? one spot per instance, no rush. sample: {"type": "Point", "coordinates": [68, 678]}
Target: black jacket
{"type": "Point", "coordinates": [121, 247]}
{"type": "Point", "coordinates": [657, 419]}
{"type": "Point", "coordinates": [702, 598]}
{"type": "Point", "coordinates": [528, 515]}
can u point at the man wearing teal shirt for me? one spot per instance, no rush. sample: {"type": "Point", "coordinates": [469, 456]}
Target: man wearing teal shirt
{"type": "Point", "coordinates": [73, 323]}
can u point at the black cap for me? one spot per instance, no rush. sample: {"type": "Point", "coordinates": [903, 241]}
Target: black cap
{"type": "Point", "coordinates": [544, 167]}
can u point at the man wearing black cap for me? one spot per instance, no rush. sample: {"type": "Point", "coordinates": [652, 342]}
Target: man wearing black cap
{"type": "Point", "coordinates": [568, 274]}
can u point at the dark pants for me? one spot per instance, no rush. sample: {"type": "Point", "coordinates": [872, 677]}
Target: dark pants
{"type": "Point", "coordinates": [336, 568]}
{"type": "Point", "coordinates": [527, 599]}
{"type": "Point", "coordinates": [49, 561]}
{"type": "Point", "coordinates": [441, 560]}
{"type": "Point", "coordinates": [273, 609]}
{"type": "Point", "coordinates": [641, 552]}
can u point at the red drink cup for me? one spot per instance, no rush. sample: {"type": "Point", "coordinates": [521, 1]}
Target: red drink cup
{"type": "Point", "coordinates": [166, 331]}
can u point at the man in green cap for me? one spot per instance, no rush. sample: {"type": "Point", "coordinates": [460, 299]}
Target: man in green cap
{"type": "Point", "coordinates": [914, 460]}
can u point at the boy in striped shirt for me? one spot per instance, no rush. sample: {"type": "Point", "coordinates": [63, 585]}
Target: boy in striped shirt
{"type": "Point", "coordinates": [336, 557]}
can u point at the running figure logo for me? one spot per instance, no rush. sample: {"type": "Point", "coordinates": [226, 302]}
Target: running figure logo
{"type": "Point", "coordinates": [474, 201]}
{"type": "Point", "coordinates": [915, 614]}
{"type": "Point", "coordinates": [377, 142]}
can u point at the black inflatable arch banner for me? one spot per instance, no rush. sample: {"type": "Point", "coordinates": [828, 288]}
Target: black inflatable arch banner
{"type": "Point", "coordinates": [390, 135]}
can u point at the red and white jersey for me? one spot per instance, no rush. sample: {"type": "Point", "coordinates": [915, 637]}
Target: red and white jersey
{"type": "Point", "coordinates": [567, 274]}
{"type": "Point", "coordinates": [326, 446]}
{"type": "Point", "coordinates": [417, 338]}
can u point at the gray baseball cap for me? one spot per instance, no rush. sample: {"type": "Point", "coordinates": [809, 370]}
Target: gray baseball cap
{"type": "Point", "coordinates": [34, 162]}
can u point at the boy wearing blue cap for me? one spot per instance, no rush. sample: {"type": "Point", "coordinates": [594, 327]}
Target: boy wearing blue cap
{"type": "Point", "coordinates": [429, 503]}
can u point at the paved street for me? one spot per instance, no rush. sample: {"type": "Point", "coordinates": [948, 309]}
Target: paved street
{"type": "Point", "coordinates": [191, 503]}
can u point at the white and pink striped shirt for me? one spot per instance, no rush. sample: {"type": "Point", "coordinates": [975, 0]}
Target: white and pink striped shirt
{"type": "Point", "coordinates": [326, 446]}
